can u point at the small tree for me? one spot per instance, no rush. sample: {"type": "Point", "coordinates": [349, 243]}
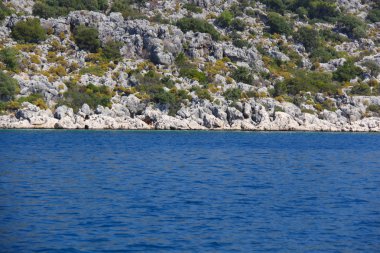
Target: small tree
{"type": "Point", "coordinates": [362, 89]}
{"type": "Point", "coordinates": [322, 10]}
{"type": "Point", "coordinates": [8, 87]}
{"type": "Point", "coordinates": [278, 24]}
{"type": "Point", "coordinates": [346, 72]}
{"type": "Point", "coordinates": [29, 31]}
{"type": "Point", "coordinates": [238, 25]}
{"type": "Point", "coordinates": [224, 19]}
{"type": "Point", "coordinates": [233, 94]}
{"type": "Point", "coordinates": [4, 11]}
{"type": "Point", "coordinates": [242, 74]}
{"type": "Point", "coordinates": [198, 25]}
{"type": "Point", "coordinates": [10, 58]}
{"type": "Point", "coordinates": [87, 38]}
{"type": "Point", "coordinates": [352, 26]}
{"type": "Point", "coordinates": [308, 37]}
{"type": "Point", "coordinates": [374, 15]}
{"type": "Point", "coordinates": [111, 50]}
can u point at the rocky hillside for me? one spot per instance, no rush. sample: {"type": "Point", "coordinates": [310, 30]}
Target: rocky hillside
{"type": "Point", "coordinates": [190, 64]}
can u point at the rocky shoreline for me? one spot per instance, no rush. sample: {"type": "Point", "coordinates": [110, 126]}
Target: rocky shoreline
{"type": "Point", "coordinates": [262, 115]}
{"type": "Point", "coordinates": [191, 65]}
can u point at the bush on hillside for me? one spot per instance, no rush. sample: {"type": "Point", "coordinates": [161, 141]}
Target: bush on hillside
{"type": "Point", "coordinates": [232, 94]}
{"type": "Point", "coordinates": [128, 8]}
{"type": "Point", "coordinates": [198, 25]}
{"type": "Point", "coordinates": [56, 8]}
{"type": "Point", "coordinates": [275, 5]}
{"type": "Point", "coordinates": [111, 50]}
{"type": "Point", "coordinates": [324, 10]}
{"type": "Point", "coordinates": [192, 8]}
{"type": "Point", "coordinates": [4, 11]}
{"type": "Point", "coordinates": [308, 37]}
{"type": "Point", "coordinates": [304, 81]}
{"type": "Point", "coordinates": [10, 57]}
{"type": "Point", "coordinates": [29, 31]}
{"type": "Point", "coordinates": [92, 95]}
{"type": "Point", "coordinates": [224, 19]}
{"type": "Point", "coordinates": [372, 67]}
{"type": "Point", "coordinates": [324, 54]}
{"type": "Point", "coordinates": [87, 38]}
{"type": "Point", "coordinates": [242, 74]}
{"type": "Point", "coordinates": [361, 89]}
{"type": "Point", "coordinates": [238, 25]}
{"type": "Point", "coordinates": [346, 72]}
{"type": "Point", "coordinates": [374, 15]}
{"type": "Point", "coordinates": [353, 26]}
{"type": "Point", "coordinates": [8, 87]}
{"type": "Point", "coordinates": [278, 24]}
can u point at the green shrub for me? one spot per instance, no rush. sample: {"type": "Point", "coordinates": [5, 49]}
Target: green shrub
{"type": "Point", "coordinates": [111, 50]}
{"type": "Point", "coordinates": [10, 57]}
{"type": "Point", "coordinates": [314, 9]}
{"type": "Point", "coordinates": [361, 89]}
{"type": "Point", "coordinates": [324, 54]}
{"type": "Point", "coordinates": [322, 10]}
{"type": "Point", "coordinates": [203, 94]}
{"type": "Point", "coordinates": [8, 87]}
{"type": "Point", "coordinates": [237, 9]}
{"type": "Point", "coordinates": [304, 81]}
{"type": "Point", "coordinates": [232, 94]}
{"type": "Point", "coordinates": [192, 8]}
{"type": "Point", "coordinates": [93, 70]}
{"type": "Point", "coordinates": [374, 15]}
{"type": "Point", "coordinates": [225, 19]}
{"type": "Point", "coordinates": [330, 35]}
{"type": "Point", "coordinates": [280, 89]}
{"type": "Point", "coordinates": [36, 99]}
{"type": "Point", "coordinates": [242, 74]}
{"type": "Point", "coordinates": [308, 37]}
{"type": "Point", "coordinates": [128, 9]}
{"type": "Point", "coordinates": [194, 74]}
{"type": "Point", "coordinates": [374, 108]}
{"type": "Point", "coordinates": [172, 99]}
{"type": "Point", "coordinates": [353, 26]}
{"type": "Point", "coordinates": [87, 38]}
{"type": "Point", "coordinates": [151, 78]}
{"type": "Point", "coordinates": [29, 31]}
{"type": "Point", "coordinates": [92, 95]}
{"type": "Point", "coordinates": [329, 105]}
{"type": "Point", "coordinates": [55, 8]}
{"type": "Point", "coordinates": [4, 11]}
{"type": "Point", "coordinates": [373, 67]}
{"type": "Point", "coordinates": [151, 88]}
{"type": "Point", "coordinates": [198, 25]}
{"type": "Point", "coordinates": [346, 72]}
{"type": "Point", "coordinates": [276, 5]}
{"type": "Point", "coordinates": [240, 43]}
{"type": "Point", "coordinates": [278, 24]}
{"type": "Point", "coordinates": [238, 25]}
{"type": "Point", "coordinates": [181, 60]}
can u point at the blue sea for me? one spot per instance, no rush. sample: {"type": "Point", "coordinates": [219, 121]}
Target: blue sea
{"type": "Point", "coordinates": [189, 191]}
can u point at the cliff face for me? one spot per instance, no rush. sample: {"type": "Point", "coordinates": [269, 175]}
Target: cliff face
{"type": "Point", "coordinates": [247, 65]}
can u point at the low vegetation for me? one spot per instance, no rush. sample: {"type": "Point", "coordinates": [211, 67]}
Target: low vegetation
{"type": "Point", "coordinates": [87, 38]}
{"type": "Point", "coordinates": [10, 57]}
{"type": "Point", "coordinates": [198, 25]}
{"type": "Point", "coordinates": [8, 87]}
{"type": "Point", "coordinates": [56, 8]}
{"type": "Point", "coordinates": [92, 95]}
{"type": "Point", "coordinates": [29, 31]}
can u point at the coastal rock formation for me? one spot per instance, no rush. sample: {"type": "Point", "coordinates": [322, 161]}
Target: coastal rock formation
{"type": "Point", "coordinates": [197, 64]}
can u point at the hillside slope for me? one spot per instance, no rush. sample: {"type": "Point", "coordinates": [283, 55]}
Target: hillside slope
{"type": "Point", "coordinates": [199, 64]}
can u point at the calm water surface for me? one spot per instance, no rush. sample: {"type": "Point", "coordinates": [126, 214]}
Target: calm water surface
{"type": "Point", "coordinates": [118, 191]}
